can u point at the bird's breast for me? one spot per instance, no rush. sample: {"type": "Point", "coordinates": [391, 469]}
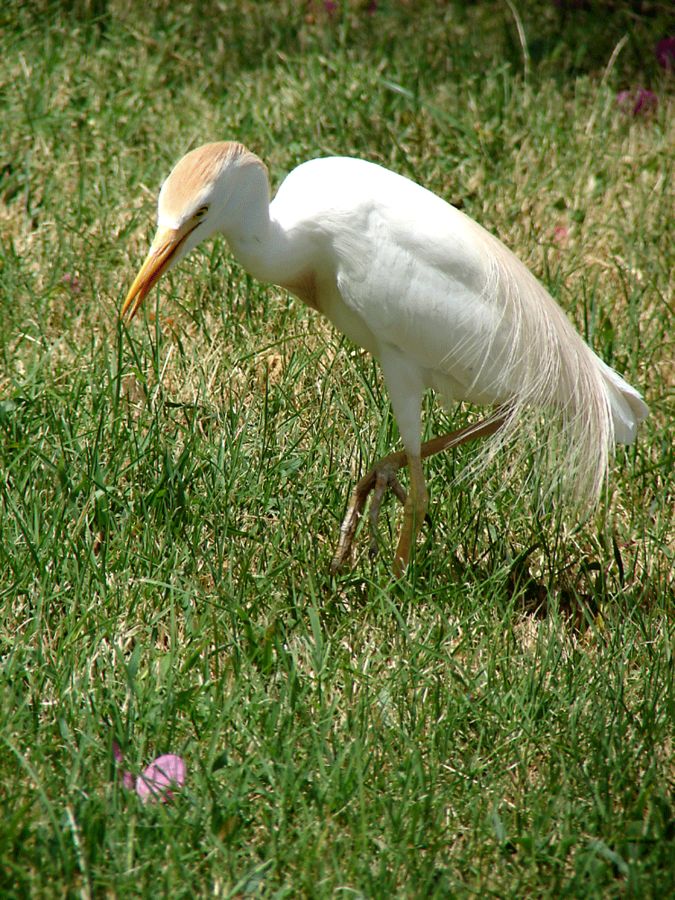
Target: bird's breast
{"type": "Point", "coordinates": [323, 295]}
{"type": "Point", "coordinates": [304, 287]}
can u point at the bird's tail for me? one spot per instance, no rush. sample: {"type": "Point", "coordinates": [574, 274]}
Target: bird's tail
{"type": "Point", "coordinates": [627, 407]}
{"type": "Point", "coordinates": [546, 365]}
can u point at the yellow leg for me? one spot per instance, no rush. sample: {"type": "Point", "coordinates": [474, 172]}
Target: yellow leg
{"type": "Point", "coordinates": [413, 515]}
{"type": "Point", "coordinates": [383, 475]}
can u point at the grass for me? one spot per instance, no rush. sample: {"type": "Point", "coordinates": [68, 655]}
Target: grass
{"type": "Point", "coordinates": [499, 722]}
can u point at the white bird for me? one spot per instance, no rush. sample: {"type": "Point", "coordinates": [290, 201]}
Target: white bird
{"type": "Point", "coordinates": [438, 300]}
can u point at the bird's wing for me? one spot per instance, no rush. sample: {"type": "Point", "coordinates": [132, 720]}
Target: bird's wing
{"type": "Point", "coordinates": [424, 282]}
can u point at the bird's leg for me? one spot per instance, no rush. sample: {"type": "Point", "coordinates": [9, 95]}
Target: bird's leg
{"type": "Point", "coordinates": [383, 475]}
{"type": "Point", "coordinates": [413, 515]}
{"type": "Point", "coordinates": [378, 479]}
{"type": "Point", "coordinates": [463, 435]}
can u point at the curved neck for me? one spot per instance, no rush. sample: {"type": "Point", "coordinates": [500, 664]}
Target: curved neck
{"type": "Point", "coordinates": [264, 248]}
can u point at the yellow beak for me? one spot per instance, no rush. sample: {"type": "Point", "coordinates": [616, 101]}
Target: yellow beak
{"type": "Point", "coordinates": [164, 248]}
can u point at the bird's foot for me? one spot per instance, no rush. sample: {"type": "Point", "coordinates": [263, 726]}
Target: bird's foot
{"type": "Point", "coordinates": [383, 475]}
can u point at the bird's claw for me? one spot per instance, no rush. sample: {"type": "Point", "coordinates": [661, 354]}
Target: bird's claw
{"type": "Point", "coordinates": [385, 477]}
{"type": "Point", "coordinates": [377, 480]}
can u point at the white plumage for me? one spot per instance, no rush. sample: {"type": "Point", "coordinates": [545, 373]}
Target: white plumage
{"type": "Point", "coordinates": [438, 300]}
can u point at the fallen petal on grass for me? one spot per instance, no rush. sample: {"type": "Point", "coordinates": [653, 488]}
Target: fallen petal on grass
{"type": "Point", "coordinates": [637, 102]}
{"type": "Point", "coordinates": [157, 780]}
{"type": "Point", "coordinates": [127, 777]}
{"type": "Point", "coordinates": [665, 53]}
{"type": "Point", "coordinates": [72, 282]}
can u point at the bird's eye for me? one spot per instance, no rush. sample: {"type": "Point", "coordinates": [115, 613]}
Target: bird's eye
{"type": "Point", "coordinates": [201, 213]}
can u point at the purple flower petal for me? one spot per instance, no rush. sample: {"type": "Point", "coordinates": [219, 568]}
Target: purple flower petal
{"type": "Point", "coordinates": [665, 53]}
{"type": "Point", "coordinates": [637, 102]}
{"type": "Point", "coordinates": [645, 101]}
{"type": "Point", "coordinates": [157, 779]}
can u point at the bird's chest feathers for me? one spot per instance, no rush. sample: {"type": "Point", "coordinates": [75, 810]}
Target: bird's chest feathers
{"type": "Point", "coordinates": [323, 296]}
{"type": "Point", "coordinates": [303, 285]}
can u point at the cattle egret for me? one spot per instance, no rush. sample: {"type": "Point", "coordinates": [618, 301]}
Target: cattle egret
{"type": "Point", "coordinates": [439, 301]}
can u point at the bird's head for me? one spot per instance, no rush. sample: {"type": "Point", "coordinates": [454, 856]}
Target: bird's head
{"type": "Point", "coordinates": [205, 193]}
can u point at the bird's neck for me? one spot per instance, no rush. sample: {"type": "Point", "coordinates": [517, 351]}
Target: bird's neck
{"type": "Point", "coordinates": [260, 243]}
{"type": "Point", "coordinates": [267, 251]}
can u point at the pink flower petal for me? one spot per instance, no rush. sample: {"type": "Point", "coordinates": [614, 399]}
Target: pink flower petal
{"type": "Point", "coordinates": [127, 777]}
{"type": "Point", "coordinates": [157, 779]}
{"type": "Point", "coordinates": [70, 280]}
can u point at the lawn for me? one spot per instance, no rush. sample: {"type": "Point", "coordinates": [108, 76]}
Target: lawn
{"type": "Point", "coordinates": [499, 722]}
